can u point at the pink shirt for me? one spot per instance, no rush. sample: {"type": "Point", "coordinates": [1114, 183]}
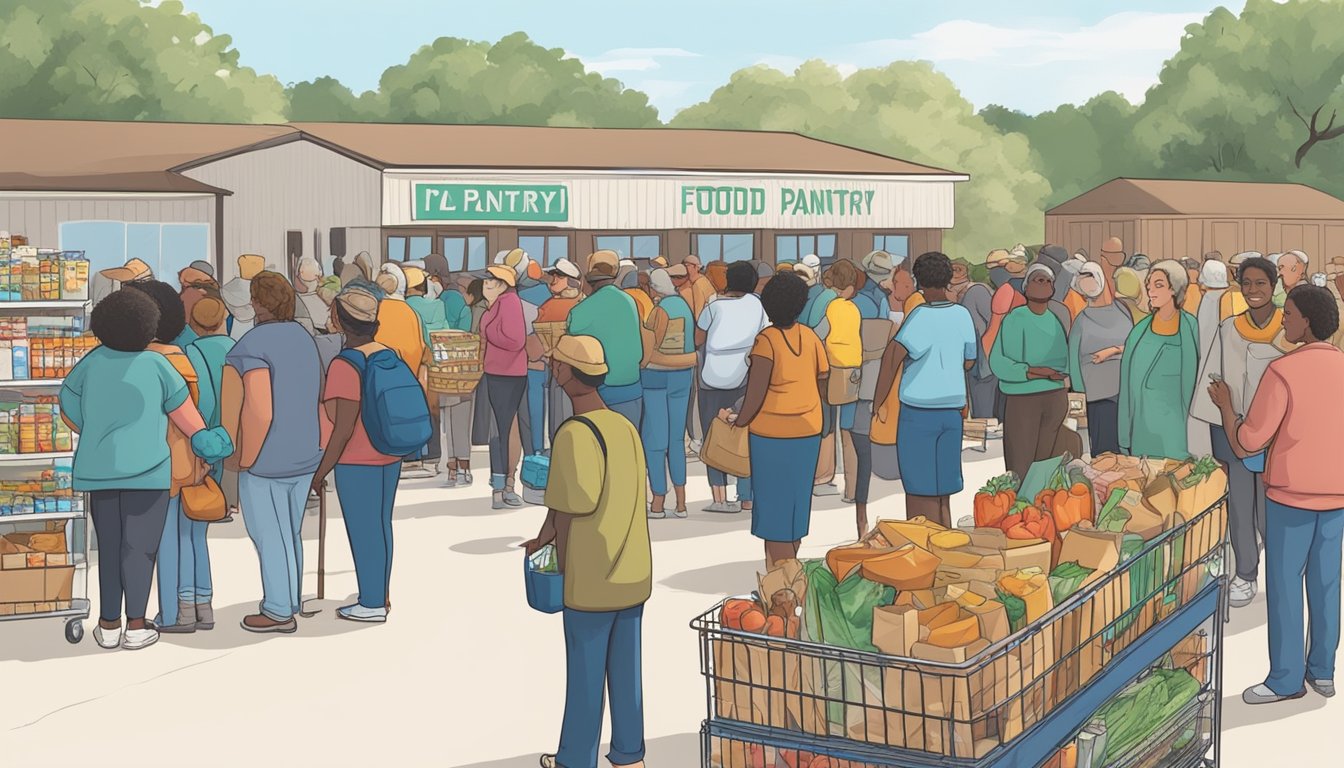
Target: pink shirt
{"type": "Point", "coordinates": [343, 384]}
{"type": "Point", "coordinates": [505, 333]}
{"type": "Point", "coordinates": [1298, 413]}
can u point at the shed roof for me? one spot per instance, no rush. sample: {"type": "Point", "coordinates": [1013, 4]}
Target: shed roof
{"type": "Point", "coordinates": [1177, 197]}
{"type": "Point", "coordinates": [526, 147]}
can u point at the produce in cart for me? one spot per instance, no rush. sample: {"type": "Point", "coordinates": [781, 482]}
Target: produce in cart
{"type": "Point", "coordinates": [995, 500]}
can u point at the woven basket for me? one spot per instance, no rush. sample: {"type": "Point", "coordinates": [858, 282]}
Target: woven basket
{"type": "Point", "coordinates": [456, 366]}
{"type": "Point", "coordinates": [549, 334]}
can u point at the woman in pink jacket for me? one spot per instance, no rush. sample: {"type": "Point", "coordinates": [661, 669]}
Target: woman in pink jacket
{"type": "Point", "coordinates": [504, 332]}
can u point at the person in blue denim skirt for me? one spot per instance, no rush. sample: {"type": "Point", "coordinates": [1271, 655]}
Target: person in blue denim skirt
{"type": "Point", "coordinates": [366, 480]}
{"type": "Point", "coordinates": [670, 351]}
{"type": "Point", "coordinates": [595, 493]}
{"type": "Point", "coordinates": [270, 395]}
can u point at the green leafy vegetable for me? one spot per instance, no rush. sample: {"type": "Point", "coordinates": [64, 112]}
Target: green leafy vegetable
{"type": "Point", "coordinates": [1066, 579]}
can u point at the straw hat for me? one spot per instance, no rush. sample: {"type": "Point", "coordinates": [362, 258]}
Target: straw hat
{"type": "Point", "coordinates": [503, 273]}
{"type": "Point", "coordinates": [133, 270]}
{"type": "Point", "coordinates": [583, 353]}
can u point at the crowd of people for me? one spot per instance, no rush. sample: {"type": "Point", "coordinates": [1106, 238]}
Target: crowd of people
{"type": "Point", "coordinates": [268, 385]}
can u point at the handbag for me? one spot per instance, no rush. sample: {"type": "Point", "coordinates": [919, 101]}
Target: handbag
{"type": "Point", "coordinates": [727, 449]}
{"type": "Point", "coordinates": [1255, 462]}
{"type": "Point", "coordinates": [204, 503]}
{"type": "Point", "coordinates": [842, 386]}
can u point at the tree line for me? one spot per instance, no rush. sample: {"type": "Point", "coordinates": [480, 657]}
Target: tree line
{"type": "Point", "coordinates": [1249, 96]}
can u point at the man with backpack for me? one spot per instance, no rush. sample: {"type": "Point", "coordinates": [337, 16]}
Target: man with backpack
{"type": "Point", "coordinates": [379, 417]}
{"type": "Point", "coordinates": [595, 492]}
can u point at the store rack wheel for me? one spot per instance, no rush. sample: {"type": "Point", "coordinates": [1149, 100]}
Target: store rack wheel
{"type": "Point", "coordinates": [74, 631]}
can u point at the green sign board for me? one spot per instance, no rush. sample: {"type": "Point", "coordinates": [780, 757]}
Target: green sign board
{"type": "Point", "coordinates": [491, 202]}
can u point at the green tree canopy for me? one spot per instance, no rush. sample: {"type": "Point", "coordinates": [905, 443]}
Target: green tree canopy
{"type": "Point", "coordinates": [119, 60]}
{"type": "Point", "coordinates": [511, 82]}
{"type": "Point", "coordinates": [905, 110]}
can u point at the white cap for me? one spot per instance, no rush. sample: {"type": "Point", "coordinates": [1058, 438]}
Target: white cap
{"type": "Point", "coordinates": [1213, 274]}
{"type": "Point", "coordinates": [811, 261]}
{"type": "Point", "coordinates": [564, 267]}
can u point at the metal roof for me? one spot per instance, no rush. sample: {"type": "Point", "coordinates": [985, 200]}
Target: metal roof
{"type": "Point", "coordinates": [1176, 197]}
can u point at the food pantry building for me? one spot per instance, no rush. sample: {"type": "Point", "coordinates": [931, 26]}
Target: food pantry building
{"type": "Point", "coordinates": [171, 193]}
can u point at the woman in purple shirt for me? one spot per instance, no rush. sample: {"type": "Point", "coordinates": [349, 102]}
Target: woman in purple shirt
{"type": "Point", "coordinates": [504, 333]}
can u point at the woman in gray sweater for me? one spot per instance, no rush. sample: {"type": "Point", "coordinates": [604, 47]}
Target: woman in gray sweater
{"type": "Point", "coordinates": [1095, 346]}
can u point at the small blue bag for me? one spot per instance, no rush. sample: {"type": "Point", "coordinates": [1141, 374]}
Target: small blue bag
{"type": "Point", "coordinates": [535, 471]}
{"type": "Point", "coordinates": [1255, 463]}
{"type": "Point", "coordinates": [545, 590]}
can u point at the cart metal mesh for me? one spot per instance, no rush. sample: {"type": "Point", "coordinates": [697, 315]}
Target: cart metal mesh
{"type": "Point", "coordinates": [957, 714]}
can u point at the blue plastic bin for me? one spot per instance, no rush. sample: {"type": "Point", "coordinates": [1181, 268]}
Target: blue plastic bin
{"type": "Point", "coordinates": [545, 591]}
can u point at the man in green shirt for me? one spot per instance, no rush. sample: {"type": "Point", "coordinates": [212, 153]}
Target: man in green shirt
{"type": "Point", "coordinates": [1029, 357]}
{"type": "Point", "coordinates": [455, 309]}
{"type": "Point", "coordinates": [431, 312]}
{"type": "Point", "coordinates": [596, 492]}
{"type": "Point", "coordinates": [610, 316]}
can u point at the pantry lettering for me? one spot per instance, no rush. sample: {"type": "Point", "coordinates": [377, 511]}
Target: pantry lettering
{"type": "Point", "coordinates": [793, 201]}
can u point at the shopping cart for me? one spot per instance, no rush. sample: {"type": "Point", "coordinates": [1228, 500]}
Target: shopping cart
{"type": "Point", "coordinates": [1014, 705]}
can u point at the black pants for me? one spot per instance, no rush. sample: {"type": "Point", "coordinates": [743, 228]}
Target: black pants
{"type": "Point", "coordinates": [1030, 428]}
{"type": "Point", "coordinates": [863, 449]}
{"type": "Point", "coordinates": [129, 526]}
{"type": "Point", "coordinates": [506, 395]}
{"type": "Point", "coordinates": [1103, 426]}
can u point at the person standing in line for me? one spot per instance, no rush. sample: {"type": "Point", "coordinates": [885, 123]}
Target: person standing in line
{"type": "Point", "coordinates": [176, 616]}
{"type": "Point", "coordinates": [609, 315]}
{"type": "Point", "coordinates": [1113, 258]}
{"type": "Point", "coordinates": [1233, 302]}
{"type": "Point", "coordinates": [195, 282]}
{"type": "Point", "coordinates": [1129, 292]}
{"type": "Point", "coordinates": [814, 313]}
{"type": "Point", "coordinates": [980, 382]}
{"type": "Point", "coordinates": [269, 402]}
{"type": "Point", "coordinates": [456, 310]}
{"type": "Point", "coordinates": [1095, 346]}
{"type": "Point", "coordinates": [1006, 270]}
{"type": "Point", "coordinates": [596, 519]}
{"type": "Point", "coordinates": [841, 332]}
{"type": "Point", "coordinates": [698, 291]}
{"type": "Point", "coordinates": [532, 292]}
{"type": "Point", "coordinates": [1194, 295]}
{"type": "Point", "coordinates": [1030, 358]}
{"type": "Point", "coordinates": [401, 330]}
{"type": "Point", "coordinates": [207, 353]}
{"type": "Point", "coordinates": [366, 480]}
{"type": "Point", "coordinates": [782, 412]}
{"type": "Point", "coordinates": [563, 279]}
{"type": "Point", "coordinates": [809, 268]}
{"type": "Point", "coordinates": [432, 318]}
{"type": "Point", "coordinates": [670, 342]}
{"type": "Point", "coordinates": [726, 332]}
{"type": "Point", "coordinates": [1243, 348]}
{"type": "Point", "coordinates": [1292, 266]}
{"type": "Point", "coordinates": [307, 280]}
{"type": "Point", "coordinates": [630, 281]}
{"type": "Point", "coordinates": [935, 346]}
{"type": "Point", "coordinates": [237, 294]}
{"type": "Point", "coordinates": [1158, 369]}
{"type": "Point", "coordinates": [503, 333]}
{"type": "Point", "coordinates": [120, 399]}
{"type": "Point", "coordinates": [1296, 418]}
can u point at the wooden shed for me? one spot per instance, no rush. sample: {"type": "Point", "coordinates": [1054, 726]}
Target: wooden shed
{"type": "Point", "coordinates": [1178, 218]}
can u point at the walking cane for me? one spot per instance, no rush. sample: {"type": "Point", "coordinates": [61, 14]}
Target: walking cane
{"type": "Point", "coordinates": [321, 550]}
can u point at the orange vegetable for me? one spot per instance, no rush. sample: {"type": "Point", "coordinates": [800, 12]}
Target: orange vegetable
{"type": "Point", "coordinates": [995, 500]}
{"type": "Point", "coordinates": [753, 621]}
{"type": "Point", "coordinates": [774, 626]}
{"type": "Point", "coordinates": [1072, 506]}
{"type": "Point", "coordinates": [732, 613]}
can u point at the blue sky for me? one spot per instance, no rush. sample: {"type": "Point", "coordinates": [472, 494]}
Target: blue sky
{"type": "Point", "coordinates": [1030, 55]}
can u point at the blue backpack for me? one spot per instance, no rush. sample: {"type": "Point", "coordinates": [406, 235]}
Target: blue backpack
{"type": "Point", "coordinates": [392, 404]}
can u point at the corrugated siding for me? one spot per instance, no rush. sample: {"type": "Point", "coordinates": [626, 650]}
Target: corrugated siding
{"type": "Point", "coordinates": [295, 186]}
{"type": "Point", "coordinates": [646, 202]}
{"type": "Point", "coordinates": [39, 217]}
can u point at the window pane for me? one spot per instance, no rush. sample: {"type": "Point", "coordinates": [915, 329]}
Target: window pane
{"type": "Point", "coordinates": [807, 244]}
{"type": "Point", "coordinates": [142, 242]}
{"type": "Point", "coordinates": [738, 247]}
{"type": "Point", "coordinates": [786, 248]}
{"type": "Point", "coordinates": [103, 242]}
{"type": "Point", "coordinates": [647, 246]}
{"type": "Point", "coordinates": [708, 248]}
{"type": "Point", "coordinates": [475, 253]}
{"type": "Point", "coordinates": [420, 247]}
{"type": "Point", "coordinates": [396, 249]}
{"type": "Point", "coordinates": [453, 252]}
{"type": "Point", "coordinates": [535, 247]}
{"type": "Point", "coordinates": [618, 243]}
{"type": "Point", "coordinates": [557, 248]}
{"type": "Point", "coordinates": [898, 245]}
{"type": "Point", "coordinates": [826, 247]}
{"type": "Point", "coordinates": [182, 244]}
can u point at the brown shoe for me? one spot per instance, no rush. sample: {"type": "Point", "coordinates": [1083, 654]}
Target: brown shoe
{"type": "Point", "coordinates": [260, 622]}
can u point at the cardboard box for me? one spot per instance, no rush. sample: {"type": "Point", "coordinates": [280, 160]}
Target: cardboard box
{"type": "Point", "coordinates": [14, 562]}
{"type": "Point", "coordinates": [37, 585]}
{"type": "Point", "coordinates": [1021, 553]}
{"type": "Point", "coordinates": [1093, 549]}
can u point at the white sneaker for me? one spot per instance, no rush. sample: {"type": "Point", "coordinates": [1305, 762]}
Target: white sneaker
{"type": "Point", "coordinates": [136, 639]}
{"type": "Point", "coordinates": [1242, 592]}
{"type": "Point", "coordinates": [107, 638]}
{"type": "Point", "coordinates": [658, 515]}
{"type": "Point", "coordinates": [464, 479]}
{"type": "Point", "coordinates": [358, 612]}
{"type": "Point", "coordinates": [825, 489]}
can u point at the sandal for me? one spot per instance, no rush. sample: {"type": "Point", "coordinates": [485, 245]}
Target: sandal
{"type": "Point", "coordinates": [548, 761]}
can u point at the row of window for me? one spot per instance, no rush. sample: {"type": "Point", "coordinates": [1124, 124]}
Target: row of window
{"type": "Point", "coordinates": [166, 248]}
{"type": "Point", "coordinates": [468, 252]}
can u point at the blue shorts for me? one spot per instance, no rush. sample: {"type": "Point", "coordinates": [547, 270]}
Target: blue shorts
{"type": "Point", "coordinates": [928, 449]}
{"type": "Point", "coordinates": [782, 469]}
{"type": "Point", "coordinates": [846, 419]}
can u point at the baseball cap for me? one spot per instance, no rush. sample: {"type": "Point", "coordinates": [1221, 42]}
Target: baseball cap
{"type": "Point", "coordinates": [133, 270]}
{"type": "Point", "coordinates": [565, 267]}
{"type": "Point", "coordinates": [678, 270]}
{"type": "Point", "coordinates": [584, 353]}
{"type": "Point", "coordinates": [503, 273]}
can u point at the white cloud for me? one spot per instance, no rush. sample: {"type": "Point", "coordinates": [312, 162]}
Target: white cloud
{"type": "Point", "coordinates": [634, 59]}
{"type": "Point", "coordinates": [1121, 35]}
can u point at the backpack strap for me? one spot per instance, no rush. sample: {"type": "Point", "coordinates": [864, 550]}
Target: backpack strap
{"type": "Point", "coordinates": [353, 357]}
{"type": "Point", "coordinates": [601, 443]}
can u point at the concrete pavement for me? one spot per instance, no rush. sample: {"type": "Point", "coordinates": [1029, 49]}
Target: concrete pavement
{"type": "Point", "coordinates": [464, 673]}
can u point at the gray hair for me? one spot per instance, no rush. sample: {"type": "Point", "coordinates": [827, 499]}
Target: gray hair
{"type": "Point", "coordinates": [661, 283]}
{"type": "Point", "coordinates": [1177, 277]}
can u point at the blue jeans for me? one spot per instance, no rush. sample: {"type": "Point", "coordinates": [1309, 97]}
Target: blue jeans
{"type": "Point", "coordinates": [536, 408]}
{"type": "Point", "coordinates": [1301, 545]}
{"type": "Point", "coordinates": [667, 398]}
{"type": "Point", "coordinates": [184, 563]}
{"type": "Point", "coordinates": [367, 495]}
{"type": "Point", "coordinates": [602, 648]}
{"type": "Point", "coordinates": [273, 513]}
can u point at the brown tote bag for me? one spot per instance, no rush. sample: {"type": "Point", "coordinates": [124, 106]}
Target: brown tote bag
{"type": "Point", "coordinates": [204, 503]}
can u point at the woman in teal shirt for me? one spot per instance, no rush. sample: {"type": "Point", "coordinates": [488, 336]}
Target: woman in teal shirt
{"type": "Point", "coordinates": [1158, 369]}
{"type": "Point", "coordinates": [1029, 358]}
{"type": "Point", "coordinates": [670, 350]}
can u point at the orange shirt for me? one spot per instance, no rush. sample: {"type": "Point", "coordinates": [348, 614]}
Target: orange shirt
{"type": "Point", "coordinates": [643, 303]}
{"type": "Point", "coordinates": [556, 309]}
{"type": "Point", "coordinates": [400, 329]}
{"type": "Point", "coordinates": [1193, 295]}
{"type": "Point", "coordinates": [1075, 303]}
{"type": "Point", "coordinates": [792, 405]}
{"type": "Point", "coordinates": [1232, 303]}
{"type": "Point", "coordinates": [179, 445]}
{"type": "Point", "coordinates": [915, 300]}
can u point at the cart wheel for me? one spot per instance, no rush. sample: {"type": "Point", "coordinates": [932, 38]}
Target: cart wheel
{"type": "Point", "coordinates": [74, 630]}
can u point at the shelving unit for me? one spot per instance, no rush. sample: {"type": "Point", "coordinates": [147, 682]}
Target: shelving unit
{"type": "Point", "coordinates": [74, 525]}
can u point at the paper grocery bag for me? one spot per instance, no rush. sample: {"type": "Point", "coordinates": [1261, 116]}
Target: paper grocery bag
{"type": "Point", "coordinates": [726, 449]}
{"type": "Point", "coordinates": [895, 629]}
